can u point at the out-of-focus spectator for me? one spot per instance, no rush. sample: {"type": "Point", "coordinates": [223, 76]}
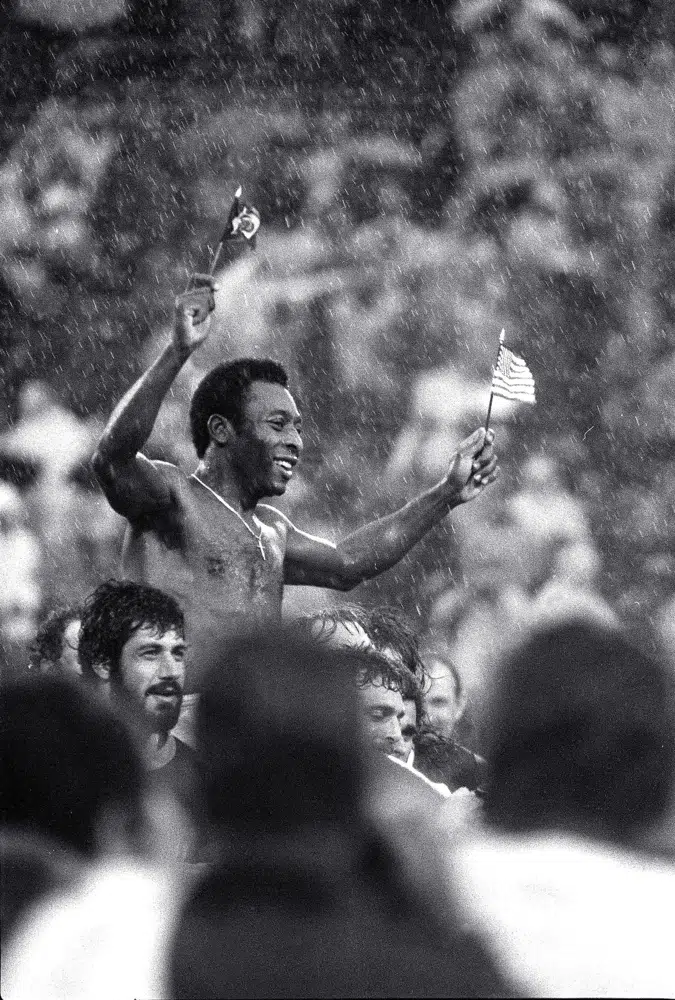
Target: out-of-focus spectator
{"type": "Point", "coordinates": [302, 846]}
{"type": "Point", "coordinates": [71, 770]}
{"type": "Point", "coordinates": [47, 451]}
{"type": "Point", "coordinates": [20, 596]}
{"type": "Point", "coordinates": [479, 624]}
{"type": "Point", "coordinates": [87, 551]}
{"type": "Point", "coordinates": [563, 882]}
{"type": "Point", "coordinates": [444, 695]}
{"type": "Point", "coordinates": [573, 589]}
{"type": "Point", "coordinates": [545, 507]}
{"type": "Point", "coordinates": [132, 640]}
{"type": "Point", "coordinates": [74, 815]}
{"type": "Point", "coordinates": [545, 515]}
{"type": "Point", "coordinates": [55, 646]}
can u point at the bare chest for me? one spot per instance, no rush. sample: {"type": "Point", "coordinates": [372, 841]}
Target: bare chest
{"type": "Point", "coordinates": [222, 550]}
{"type": "Point", "coordinates": [215, 563]}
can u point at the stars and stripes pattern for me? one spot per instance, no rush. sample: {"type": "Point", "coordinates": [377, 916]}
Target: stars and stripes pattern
{"type": "Point", "coordinates": [512, 379]}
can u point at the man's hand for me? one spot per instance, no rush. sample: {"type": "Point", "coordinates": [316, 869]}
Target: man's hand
{"type": "Point", "coordinates": [193, 313]}
{"type": "Point", "coordinates": [472, 467]}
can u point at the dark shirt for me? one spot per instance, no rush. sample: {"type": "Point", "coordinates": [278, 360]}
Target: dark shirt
{"type": "Point", "coordinates": [441, 759]}
{"type": "Point", "coordinates": [183, 777]}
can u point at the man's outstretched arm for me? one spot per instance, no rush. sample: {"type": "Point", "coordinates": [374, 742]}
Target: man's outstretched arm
{"type": "Point", "coordinates": [379, 545]}
{"type": "Point", "coordinates": [133, 485]}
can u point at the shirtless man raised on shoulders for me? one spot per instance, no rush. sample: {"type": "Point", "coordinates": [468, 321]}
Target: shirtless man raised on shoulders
{"type": "Point", "coordinates": [206, 538]}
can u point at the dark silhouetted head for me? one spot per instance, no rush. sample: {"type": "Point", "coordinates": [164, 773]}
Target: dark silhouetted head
{"type": "Point", "coordinates": [316, 902]}
{"type": "Point", "coordinates": [277, 734]}
{"type": "Point", "coordinates": [582, 736]}
{"type": "Point", "coordinates": [68, 761]}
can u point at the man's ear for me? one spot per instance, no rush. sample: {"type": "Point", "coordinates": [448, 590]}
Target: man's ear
{"type": "Point", "coordinates": [102, 671]}
{"type": "Point", "coordinates": [220, 429]}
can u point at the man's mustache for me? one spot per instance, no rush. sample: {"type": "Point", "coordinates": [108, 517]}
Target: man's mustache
{"type": "Point", "coordinates": [166, 688]}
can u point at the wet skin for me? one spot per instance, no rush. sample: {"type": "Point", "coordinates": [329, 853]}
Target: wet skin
{"type": "Point", "coordinates": [152, 672]}
{"type": "Point", "coordinates": [200, 551]}
{"type": "Point", "coordinates": [183, 540]}
{"type": "Point", "coordinates": [383, 713]}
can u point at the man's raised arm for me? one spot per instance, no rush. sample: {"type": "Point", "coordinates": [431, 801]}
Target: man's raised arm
{"type": "Point", "coordinates": [132, 484]}
{"type": "Point", "coordinates": [379, 545]}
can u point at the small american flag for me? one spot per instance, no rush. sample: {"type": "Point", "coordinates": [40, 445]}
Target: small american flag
{"type": "Point", "coordinates": [512, 379]}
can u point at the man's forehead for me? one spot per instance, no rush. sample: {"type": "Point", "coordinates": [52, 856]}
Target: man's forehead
{"type": "Point", "coordinates": [440, 676]}
{"type": "Point", "coordinates": [147, 632]}
{"type": "Point", "coordinates": [376, 693]}
{"type": "Point", "coordinates": [266, 396]}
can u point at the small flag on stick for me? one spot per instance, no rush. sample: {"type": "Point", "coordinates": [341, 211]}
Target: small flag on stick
{"type": "Point", "coordinates": [243, 222]}
{"type": "Point", "coordinates": [511, 378]}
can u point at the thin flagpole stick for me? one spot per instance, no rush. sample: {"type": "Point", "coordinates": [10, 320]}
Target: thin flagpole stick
{"type": "Point", "coordinates": [502, 336]}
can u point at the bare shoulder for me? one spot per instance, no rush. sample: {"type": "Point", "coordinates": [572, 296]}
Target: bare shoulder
{"type": "Point", "coordinates": [170, 481]}
{"type": "Point", "coordinates": [273, 518]}
{"type": "Point", "coordinates": [167, 469]}
{"type": "Point", "coordinates": [296, 537]}
{"type": "Point", "coordinates": [170, 473]}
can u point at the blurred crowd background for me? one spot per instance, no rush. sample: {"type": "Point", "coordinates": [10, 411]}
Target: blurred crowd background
{"type": "Point", "coordinates": [427, 173]}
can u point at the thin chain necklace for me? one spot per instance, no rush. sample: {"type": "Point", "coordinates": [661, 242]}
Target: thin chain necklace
{"type": "Point", "coordinates": [236, 513]}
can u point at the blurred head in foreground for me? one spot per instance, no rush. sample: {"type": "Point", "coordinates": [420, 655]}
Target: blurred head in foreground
{"type": "Point", "coordinates": [55, 648]}
{"type": "Point", "coordinates": [70, 768]}
{"type": "Point", "coordinates": [316, 903]}
{"type": "Point", "coordinates": [278, 737]}
{"type": "Point", "coordinates": [132, 637]}
{"type": "Point", "coordinates": [582, 736]}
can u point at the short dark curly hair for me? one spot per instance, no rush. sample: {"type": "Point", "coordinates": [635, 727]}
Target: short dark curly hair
{"type": "Point", "coordinates": [223, 390]}
{"type": "Point", "coordinates": [114, 612]}
{"type": "Point", "coordinates": [47, 646]}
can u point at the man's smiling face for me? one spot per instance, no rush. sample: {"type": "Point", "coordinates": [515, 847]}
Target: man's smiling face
{"type": "Point", "coordinates": [269, 444]}
{"type": "Point", "coordinates": [152, 673]}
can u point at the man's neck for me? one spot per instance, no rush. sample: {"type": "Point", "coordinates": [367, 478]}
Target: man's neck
{"type": "Point", "coordinates": [159, 750]}
{"type": "Point", "coordinates": [227, 484]}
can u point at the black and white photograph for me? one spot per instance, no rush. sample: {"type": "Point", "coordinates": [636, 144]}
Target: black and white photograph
{"type": "Point", "coordinates": [337, 499]}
